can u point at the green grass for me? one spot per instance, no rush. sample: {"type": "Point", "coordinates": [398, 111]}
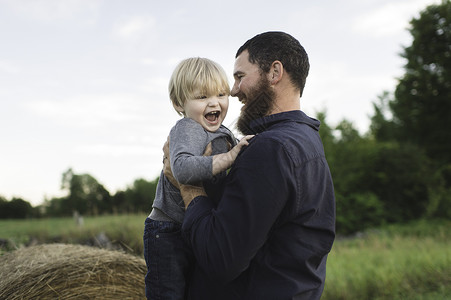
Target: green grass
{"type": "Point", "coordinates": [125, 230]}
{"type": "Point", "coordinates": [398, 262]}
{"type": "Point", "coordinates": [411, 261]}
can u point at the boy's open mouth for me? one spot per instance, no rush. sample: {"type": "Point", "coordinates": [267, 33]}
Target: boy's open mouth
{"type": "Point", "coordinates": [213, 116]}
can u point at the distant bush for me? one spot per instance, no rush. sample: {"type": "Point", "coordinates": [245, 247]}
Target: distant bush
{"type": "Point", "coordinates": [358, 212]}
{"type": "Point", "coordinates": [15, 209]}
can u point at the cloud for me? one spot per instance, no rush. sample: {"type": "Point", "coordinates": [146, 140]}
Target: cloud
{"type": "Point", "coordinates": [390, 19]}
{"type": "Point", "coordinates": [91, 110]}
{"type": "Point", "coordinates": [149, 61]}
{"type": "Point", "coordinates": [113, 150]}
{"type": "Point", "coordinates": [157, 86]}
{"type": "Point", "coordinates": [135, 28]}
{"type": "Point", "coordinates": [52, 10]}
{"type": "Point", "coordinates": [9, 67]}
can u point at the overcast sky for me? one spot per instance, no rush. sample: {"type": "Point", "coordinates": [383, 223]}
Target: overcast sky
{"type": "Point", "coordinates": [83, 83]}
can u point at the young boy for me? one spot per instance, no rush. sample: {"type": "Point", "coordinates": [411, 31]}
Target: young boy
{"type": "Point", "coordinates": [199, 91]}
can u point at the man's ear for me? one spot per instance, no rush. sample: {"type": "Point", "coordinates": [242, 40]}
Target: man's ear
{"type": "Point", "coordinates": [275, 72]}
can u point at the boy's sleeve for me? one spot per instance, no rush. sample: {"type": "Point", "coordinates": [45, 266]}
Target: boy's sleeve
{"type": "Point", "coordinates": [187, 142]}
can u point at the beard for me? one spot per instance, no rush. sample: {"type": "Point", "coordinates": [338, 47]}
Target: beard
{"type": "Point", "coordinates": [259, 103]}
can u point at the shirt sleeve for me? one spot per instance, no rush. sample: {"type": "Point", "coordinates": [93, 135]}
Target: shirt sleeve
{"type": "Point", "coordinates": [187, 142]}
{"type": "Point", "coordinates": [225, 238]}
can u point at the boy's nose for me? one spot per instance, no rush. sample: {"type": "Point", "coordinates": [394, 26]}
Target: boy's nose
{"type": "Point", "coordinates": [213, 101]}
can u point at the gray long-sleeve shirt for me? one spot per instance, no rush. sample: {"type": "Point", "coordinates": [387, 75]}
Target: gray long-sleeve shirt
{"type": "Point", "coordinates": [188, 140]}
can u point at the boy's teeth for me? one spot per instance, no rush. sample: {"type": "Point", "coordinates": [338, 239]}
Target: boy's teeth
{"type": "Point", "coordinates": [211, 116]}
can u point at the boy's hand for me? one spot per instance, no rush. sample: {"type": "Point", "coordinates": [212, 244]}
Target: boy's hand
{"type": "Point", "coordinates": [243, 142]}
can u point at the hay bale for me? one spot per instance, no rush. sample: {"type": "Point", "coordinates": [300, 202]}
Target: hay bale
{"type": "Point", "coordinates": [58, 271]}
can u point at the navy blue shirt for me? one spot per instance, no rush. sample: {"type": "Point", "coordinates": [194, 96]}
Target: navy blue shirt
{"type": "Point", "coordinates": [269, 235]}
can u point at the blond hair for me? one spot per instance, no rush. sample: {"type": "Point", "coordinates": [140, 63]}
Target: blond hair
{"type": "Point", "coordinates": [197, 75]}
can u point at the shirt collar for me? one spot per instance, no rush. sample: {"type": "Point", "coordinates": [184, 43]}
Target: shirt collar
{"type": "Point", "coordinates": [262, 124]}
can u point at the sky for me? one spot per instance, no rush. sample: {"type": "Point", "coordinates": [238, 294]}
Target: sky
{"type": "Point", "coordinates": [83, 83]}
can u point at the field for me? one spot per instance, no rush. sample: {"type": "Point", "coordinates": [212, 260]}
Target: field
{"type": "Point", "coordinates": [399, 262]}
{"type": "Point", "coordinates": [411, 261]}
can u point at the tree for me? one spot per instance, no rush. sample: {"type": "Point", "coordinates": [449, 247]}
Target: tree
{"type": "Point", "coordinates": [381, 128]}
{"type": "Point", "coordinates": [20, 209]}
{"type": "Point", "coordinates": [348, 155]}
{"type": "Point", "coordinates": [326, 134]}
{"type": "Point", "coordinates": [3, 208]}
{"type": "Point", "coordinates": [139, 197]}
{"type": "Point", "coordinates": [422, 100]}
{"type": "Point", "coordinates": [348, 158]}
{"type": "Point", "coordinates": [54, 207]}
{"type": "Point", "coordinates": [400, 176]}
{"type": "Point", "coordinates": [17, 208]}
{"type": "Point", "coordinates": [120, 202]}
{"type": "Point", "coordinates": [85, 195]}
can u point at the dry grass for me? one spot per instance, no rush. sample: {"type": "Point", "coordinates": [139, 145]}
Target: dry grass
{"type": "Point", "coordinates": [59, 271]}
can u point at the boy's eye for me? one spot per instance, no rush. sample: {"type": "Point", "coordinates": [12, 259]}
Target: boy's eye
{"type": "Point", "coordinates": [221, 95]}
{"type": "Point", "coordinates": [200, 97]}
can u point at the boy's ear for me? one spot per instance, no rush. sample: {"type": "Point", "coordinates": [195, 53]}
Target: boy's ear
{"type": "Point", "coordinates": [178, 108]}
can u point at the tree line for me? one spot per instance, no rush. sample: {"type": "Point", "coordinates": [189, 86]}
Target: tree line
{"type": "Point", "coordinates": [86, 196]}
{"type": "Point", "coordinates": [400, 170]}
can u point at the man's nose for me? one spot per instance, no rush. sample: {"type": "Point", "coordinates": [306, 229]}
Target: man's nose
{"type": "Point", "coordinates": [235, 90]}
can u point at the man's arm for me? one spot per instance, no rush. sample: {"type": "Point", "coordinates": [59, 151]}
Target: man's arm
{"type": "Point", "coordinates": [225, 238]}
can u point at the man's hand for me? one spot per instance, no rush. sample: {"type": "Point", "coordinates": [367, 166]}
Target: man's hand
{"type": "Point", "coordinates": [188, 192]}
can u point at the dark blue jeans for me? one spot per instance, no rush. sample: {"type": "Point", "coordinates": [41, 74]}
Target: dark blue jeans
{"type": "Point", "coordinates": [168, 258]}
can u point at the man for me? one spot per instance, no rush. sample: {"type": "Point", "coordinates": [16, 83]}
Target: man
{"type": "Point", "coordinates": [269, 235]}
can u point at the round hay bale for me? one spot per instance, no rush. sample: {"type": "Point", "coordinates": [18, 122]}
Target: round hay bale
{"type": "Point", "coordinates": [58, 271]}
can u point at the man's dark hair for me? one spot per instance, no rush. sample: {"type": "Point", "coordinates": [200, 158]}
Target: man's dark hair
{"type": "Point", "coordinates": [267, 47]}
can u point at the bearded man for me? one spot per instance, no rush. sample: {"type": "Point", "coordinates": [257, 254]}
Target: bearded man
{"type": "Point", "coordinates": [271, 232]}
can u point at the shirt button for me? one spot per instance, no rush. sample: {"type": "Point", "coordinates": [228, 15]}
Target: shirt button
{"type": "Point", "coordinates": [157, 236]}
